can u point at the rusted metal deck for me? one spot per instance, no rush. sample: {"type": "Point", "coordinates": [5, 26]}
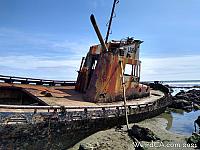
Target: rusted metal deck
{"type": "Point", "coordinates": [68, 97]}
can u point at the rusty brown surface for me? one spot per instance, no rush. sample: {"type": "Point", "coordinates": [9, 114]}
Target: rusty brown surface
{"type": "Point", "coordinates": [100, 76]}
{"type": "Point", "coordinates": [67, 96]}
{"type": "Point", "coordinates": [61, 95]}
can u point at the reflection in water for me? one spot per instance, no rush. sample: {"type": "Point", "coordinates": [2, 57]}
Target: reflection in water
{"type": "Point", "coordinates": [168, 116]}
{"type": "Point", "coordinates": [181, 122]}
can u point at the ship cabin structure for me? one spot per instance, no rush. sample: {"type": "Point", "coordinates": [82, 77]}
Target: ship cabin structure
{"type": "Point", "coordinates": [102, 72]}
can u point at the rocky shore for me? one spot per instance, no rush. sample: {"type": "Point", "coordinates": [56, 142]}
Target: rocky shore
{"type": "Point", "coordinates": [187, 101]}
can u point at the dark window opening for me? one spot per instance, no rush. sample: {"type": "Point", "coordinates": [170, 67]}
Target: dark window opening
{"type": "Point", "coordinates": [16, 96]}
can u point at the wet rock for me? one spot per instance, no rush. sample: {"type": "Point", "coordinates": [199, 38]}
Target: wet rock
{"type": "Point", "coordinates": [198, 121]}
{"type": "Point", "coordinates": [182, 104]}
{"type": "Point", "coordinates": [196, 107]}
{"type": "Point", "coordinates": [142, 134]}
{"type": "Point", "coordinates": [196, 86]}
{"type": "Point", "coordinates": [118, 127]}
{"type": "Point", "coordinates": [25, 145]}
{"type": "Point", "coordinates": [182, 96]}
{"type": "Point", "coordinates": [157, 86]}
{"type": "Point", "coordinates": [194, 139]}
{"type": "Point", "coordinates": [86, 147]}
{"type": "Point", "coordinates": [187, 100]}
{"type": "Point", "coordinates": [25, 132]}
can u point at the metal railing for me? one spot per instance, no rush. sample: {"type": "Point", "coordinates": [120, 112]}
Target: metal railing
{"type": "Point", "coordinates": [24, 80]}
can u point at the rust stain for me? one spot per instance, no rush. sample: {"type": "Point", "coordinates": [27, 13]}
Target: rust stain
{"type": "Point", "coordinates": [100, 76]}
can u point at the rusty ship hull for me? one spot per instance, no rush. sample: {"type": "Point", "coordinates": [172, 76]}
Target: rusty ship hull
{"type": "Point", "coordinates": [49, 114]}
{"type": "Point", "coordinates": [44, 117]}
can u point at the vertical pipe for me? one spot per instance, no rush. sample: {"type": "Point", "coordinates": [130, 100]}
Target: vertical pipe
{"type": "Point", "coordinates": [124, 94]}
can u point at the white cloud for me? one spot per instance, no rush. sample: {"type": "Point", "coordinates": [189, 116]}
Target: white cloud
{"type": "Point", "coordinates": [171, 68]}
{"type": "Point", "coordinates": [60, 68]}
{"type": "Point", "coordinates": [40, 55]}
{"type": "Point", "coordinates": [34, 62]}
{"type": "Point", "coordinates": [15, 41]}
{"type": "Point", "coordinates": [75, 47]}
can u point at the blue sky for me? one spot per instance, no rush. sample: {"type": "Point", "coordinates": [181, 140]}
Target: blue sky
{"type": "Point", "coordinates": [47, 38]}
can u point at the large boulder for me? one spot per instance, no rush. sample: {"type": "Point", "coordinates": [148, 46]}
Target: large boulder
{"type": "Point", "coordinates": [187, 100]}
{"type": "Point", "coordinates": [194, 139]}
{"type": "Point", "coordinates": [191, 94]}
{"type": "Point", "coordinates": [198, 121]}
{"type": "Point", "coordinates": [182, 104]}
{"type": "Point", "coordinates": [142, 134]}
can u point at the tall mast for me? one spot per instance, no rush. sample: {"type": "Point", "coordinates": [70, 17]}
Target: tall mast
{"type": "Point", "coordinates": [110, 21]}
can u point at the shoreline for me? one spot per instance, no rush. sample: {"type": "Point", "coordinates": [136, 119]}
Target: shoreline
{"type": "Point", "coordinates": [119, 139]}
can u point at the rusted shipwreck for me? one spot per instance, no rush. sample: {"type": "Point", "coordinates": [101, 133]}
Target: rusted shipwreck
{"type": "Point", "coordinates": [102, 71]}
{"type": "Point", "coordinates": [107, 88]}
{"type": "Point", "coordinates": [109, 76]}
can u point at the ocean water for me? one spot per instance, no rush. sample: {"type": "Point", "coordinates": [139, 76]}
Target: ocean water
{"type": "Point", "coordinates": [179, 121]}
{"type": "Point", "coordinates": [183, 83]}
{"type": "Point", "coordinates": [177, 90]}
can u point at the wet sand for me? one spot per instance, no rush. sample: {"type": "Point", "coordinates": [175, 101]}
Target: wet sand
{"type": "Point", "coordinates": [119, 139]}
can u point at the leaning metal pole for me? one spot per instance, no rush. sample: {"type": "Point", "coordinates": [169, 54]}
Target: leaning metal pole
{"type": "Point", "coordinates": [104, 47]}
{"type": "Point", "coordinates": [124, 94]}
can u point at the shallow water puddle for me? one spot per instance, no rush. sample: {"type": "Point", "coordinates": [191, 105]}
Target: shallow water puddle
{"type": "Point", "coordinates": [180, 122]}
